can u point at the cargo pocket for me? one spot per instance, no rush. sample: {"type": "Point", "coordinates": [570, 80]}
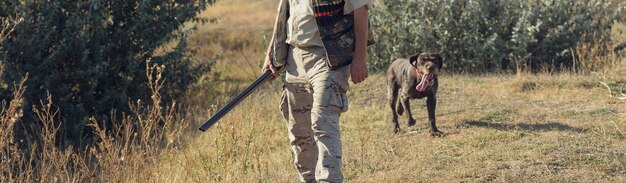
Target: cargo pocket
{"type": "Point", "coordinates": [337, 97]}
{"type": "Point", "coordinates": [339, 100]}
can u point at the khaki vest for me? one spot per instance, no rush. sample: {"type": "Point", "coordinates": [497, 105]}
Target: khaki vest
{"type": "Point", "coordinates": [336, 31]}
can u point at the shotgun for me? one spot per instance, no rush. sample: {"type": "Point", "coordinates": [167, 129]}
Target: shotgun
{"type": "Point", "coordinates": [230, 105]}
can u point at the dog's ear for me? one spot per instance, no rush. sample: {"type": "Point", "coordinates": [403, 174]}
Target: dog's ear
{"type": "Point", "coordinates": [413, 60]}
{"type": "Point", "coordinates": [439, 60]}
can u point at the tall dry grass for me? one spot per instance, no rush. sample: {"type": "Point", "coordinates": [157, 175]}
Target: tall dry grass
{"type": "Point", "coordinates": [10, 156]}
{"type": "Point", "coordinates": [594, 57]}
{"type": "Point", "coordinates": [128, 151]}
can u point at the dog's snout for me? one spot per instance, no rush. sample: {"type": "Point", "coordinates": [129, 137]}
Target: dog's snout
{"type": "Point", "coordinates": [430, 67]}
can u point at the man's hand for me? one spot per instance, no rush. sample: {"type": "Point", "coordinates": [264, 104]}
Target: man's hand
{"type": "Point", "coordinates": [268, 66]}
{"type": "Point", "coordinates": [358, 69]}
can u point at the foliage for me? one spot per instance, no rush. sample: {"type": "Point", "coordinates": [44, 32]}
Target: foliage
{"type": "Point", "coordinates": [91, 55]}
{"type": "Point", "coordinates": [491, 35]}
{"type": "Point", "coordinates": [7, 26]}
{"type": "Point", "coordinates": [129, 151]}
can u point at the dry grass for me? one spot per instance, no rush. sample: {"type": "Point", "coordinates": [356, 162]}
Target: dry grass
{"type": "Point", "coordinates": [236, 42]}
{"type": "Point", "coordinates": [619, 33]}
{"type": "Point", "coordinates": [238, 36]}
{"type": "Point", "coordinates": [128, 151]}
{"type": "Point", "coordinates": [525, 127]}
{"type": "Point", "coordinates": [504, 128]}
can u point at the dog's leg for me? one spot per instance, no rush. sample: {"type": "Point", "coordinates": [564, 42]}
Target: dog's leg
{"type": "Point", "coordinates": [399, 108]}
{"type": "Point", "coordinates": [431, 104]}
{"type": "Point", "coordinates": [407, 106]}
{"type": "Point", "coordinates": [392, 97]}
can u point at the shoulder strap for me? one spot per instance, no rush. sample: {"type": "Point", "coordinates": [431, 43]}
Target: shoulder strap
{"type": "Point", "coordinates": [328, 12]}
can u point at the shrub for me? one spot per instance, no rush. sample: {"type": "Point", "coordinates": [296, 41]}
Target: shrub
{"type": "Point", "coordinates": [91, 55]}
{"type": "Point", "coordinates": [491, 35]}
{"type": "Point", "coordinates": [133, 149]}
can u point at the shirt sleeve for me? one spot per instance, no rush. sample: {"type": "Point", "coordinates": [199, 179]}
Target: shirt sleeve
{"type": "Point", "coordinates": [352, 5]}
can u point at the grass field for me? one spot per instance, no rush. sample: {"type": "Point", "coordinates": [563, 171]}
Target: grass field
{"type": "Point", "coordinates": [499, 128]}
{"type": "Point", "coordinates": [238, 36]}
{"type": "Point", "coordinates": [556, 128]}
{"type": "Point", "coordinates": [524, 127]}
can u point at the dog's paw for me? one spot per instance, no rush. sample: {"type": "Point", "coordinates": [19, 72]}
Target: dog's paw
{"type": "Point", "coordinates": [436, 133]}
{"type": "Point", "coordinates": [396, 130]}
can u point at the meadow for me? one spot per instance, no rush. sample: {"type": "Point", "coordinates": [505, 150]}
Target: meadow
{"type": "Point", "coordinates": [568, 126]}
{"type": "Point", "coordinates": [520, 127]}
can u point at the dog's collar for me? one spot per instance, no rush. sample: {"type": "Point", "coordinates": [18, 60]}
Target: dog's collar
{"type": "Point", "coordinates": [419, 73]}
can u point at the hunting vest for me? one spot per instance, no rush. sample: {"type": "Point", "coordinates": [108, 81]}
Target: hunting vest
{"type": "Point", "coordinates": [336, 31]}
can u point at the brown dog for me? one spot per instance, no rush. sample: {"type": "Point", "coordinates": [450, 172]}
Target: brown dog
{"type": "Point", "coordinates": [414, 78]}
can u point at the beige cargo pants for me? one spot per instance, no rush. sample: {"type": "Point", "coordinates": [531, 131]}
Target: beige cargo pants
{"type": "Point", "coordinates": [312, 101]}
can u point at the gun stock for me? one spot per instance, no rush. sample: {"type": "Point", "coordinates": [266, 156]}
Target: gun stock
{"type": "Point", "coordinates": [230, 105]}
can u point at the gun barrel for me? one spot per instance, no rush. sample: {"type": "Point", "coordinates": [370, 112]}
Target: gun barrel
{"type": "Point", "coordinates": [230, 105]}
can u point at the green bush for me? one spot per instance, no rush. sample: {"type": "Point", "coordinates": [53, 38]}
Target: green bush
{"type": "Point", "coordinates": [91, 55]}
{"type": "Point", "coordinates": [490, 35]}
